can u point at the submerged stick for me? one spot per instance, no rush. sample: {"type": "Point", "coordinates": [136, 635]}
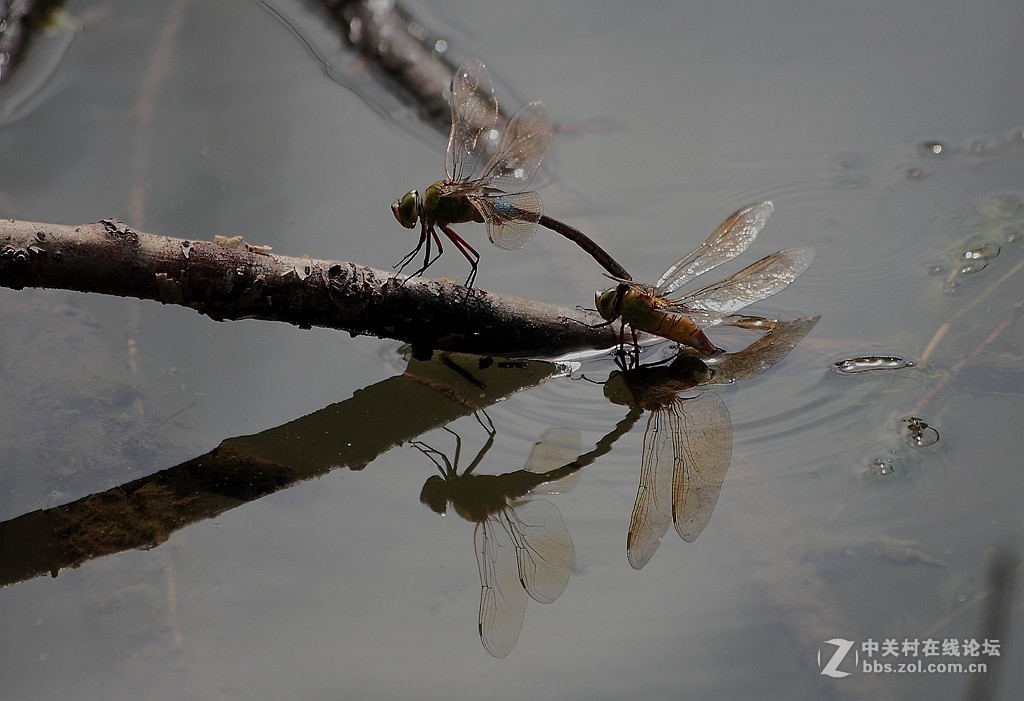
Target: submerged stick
{"type": "Point", "coordinates": [231, 282]}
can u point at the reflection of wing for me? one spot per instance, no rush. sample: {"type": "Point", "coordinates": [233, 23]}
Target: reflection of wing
{"type": "Point", "coordinates": [556, 448]}
{"type": "Point", "coordinates": [652, 511]}
{"type": "Point", "coordinates": [523, 549]}
{"type": "Point", "coordinates": [511, 219]}
{"type": "Point", "coordinates": [502, 598]}
{"type": "Point", "coordinates": [704, 451]}
{"type": "Point", "coordinates": [731, 238]}
{"type": "Point", "coordinates": [543, 548]}
{"type": "Point", "coordinates": [523, 144]}
{"type": "Point", "coordinates": [474, 112]}
{"type": "Point", "coordinates": [757, 281]}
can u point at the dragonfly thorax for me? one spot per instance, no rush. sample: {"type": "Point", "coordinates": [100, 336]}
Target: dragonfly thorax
{"type": "Point", "coordinates": [449, 208]}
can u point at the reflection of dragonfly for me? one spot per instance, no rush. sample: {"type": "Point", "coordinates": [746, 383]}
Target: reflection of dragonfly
{"type": "Point", "coordinates": [495, 196]}
{"type": "Point", "coordinates": [522, 546]}
{"type": "Point", "coordinates": [686, 454]}
{"type": "Point", "coordinates": [648, 308]}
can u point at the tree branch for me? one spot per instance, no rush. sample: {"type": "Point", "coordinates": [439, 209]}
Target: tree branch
{"type": "Point", "coordinates": [233, 280]}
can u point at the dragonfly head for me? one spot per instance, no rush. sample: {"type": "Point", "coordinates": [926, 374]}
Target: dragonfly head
{"type": "Point", "coordinates": [435, 494]}
{"type": "Point", "coordinates": [609, 302]}
{"type": "Point", "coordinates": [407, 209]}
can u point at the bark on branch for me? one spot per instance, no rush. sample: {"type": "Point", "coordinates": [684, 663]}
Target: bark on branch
{"type": "Point", "coordinates": [245, 282]}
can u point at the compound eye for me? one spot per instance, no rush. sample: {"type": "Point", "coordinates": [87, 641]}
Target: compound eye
{"type": "Point", "coordinates": [406, 210]}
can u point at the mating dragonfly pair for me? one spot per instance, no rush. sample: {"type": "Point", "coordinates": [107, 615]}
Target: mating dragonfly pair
{"type": "Point", "coordinates": [495, 194]}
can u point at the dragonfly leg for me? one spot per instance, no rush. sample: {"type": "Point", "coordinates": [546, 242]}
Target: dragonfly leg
{"type": "Point", "coordinates": [465, 249]}
{"type": "Point", "coordinates": [429, 235]}
{"type": "Point", "coordinates": [424, 240]}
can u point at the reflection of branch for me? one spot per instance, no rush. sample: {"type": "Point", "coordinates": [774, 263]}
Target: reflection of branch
{"type": "Point", "coordinates": [247, 282]}
{"type": "Point", "coordinates": [143, 513]}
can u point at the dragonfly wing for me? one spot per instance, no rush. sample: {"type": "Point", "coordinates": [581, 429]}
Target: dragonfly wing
{"type": "Point", "coordinates": [731, 238]}
{"type": "Point", "coordinates": [502, 597]}
{"type": "Point", "coordinates": [557, 448]}
{"type": "Point", "coordinates": [474, 112]}
{"type": "Point", "coordinates": [704, 450]}
{"type": "Point", "coordinates": [544, 549]}
{"type": "Point", "coordinates": [511, 218]}
{"type": "Point", "coordinates": [653, 508]}
{"type": "Point", "coordinates": [523, 144]}
{"type": "Point", "coordinates": [770, 275]}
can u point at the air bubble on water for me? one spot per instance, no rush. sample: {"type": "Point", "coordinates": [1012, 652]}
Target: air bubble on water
{"type": "Point", "coordinates": [936, 270]}
{"type": "Point", "coordinates": [882, 467]}
{"type": "Point", "coordinates": [1012, 235]}
{"type": "Point", "coordinates": [932, 148]}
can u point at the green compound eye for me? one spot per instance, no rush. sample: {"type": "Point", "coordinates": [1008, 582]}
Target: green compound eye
{"type": "Point", "coordinates": [406, 210]}
{"type": "Point", "coordinates": [607, 303]}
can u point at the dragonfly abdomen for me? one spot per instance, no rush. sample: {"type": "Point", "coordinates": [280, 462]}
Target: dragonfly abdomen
{"type": "Point", "coordinates": [676, 327]}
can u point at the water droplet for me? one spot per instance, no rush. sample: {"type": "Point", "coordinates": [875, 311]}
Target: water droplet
{"type": "Point", "coordinates": [936, 270]}
{"type": "Point", "coordinates": [871, 363]}
{"type": "Point", "coordinates": [1011, 235]}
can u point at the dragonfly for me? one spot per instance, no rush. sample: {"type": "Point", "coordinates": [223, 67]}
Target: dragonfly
{"type": "Point", "coordinates": [649, 307]}
{"type": "Point", "coordinates": [486, 180]}
{"type": "Point", "coordinates": [687, 450]}
{"type": "Point", "coordinates": [522, 545]}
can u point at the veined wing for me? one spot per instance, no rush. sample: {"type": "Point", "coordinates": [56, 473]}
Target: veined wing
{"type": "Point", "coordinates": [653, 508]}
{"type": "Point", "coordinates": [704, 429]}
{"type": "Point", "coordinates": [502, 597]}
{"type": "Point", "coordinates": [524, 142]}
{"type": "Point", "coordinates": [544, 549]}
{"type": "Point", "coordinates": [511, 219]}
{"type": "Point", "coordinates": [557, 448]}
{"type": "Point", "coordinates": [731, 238]}
{"type": "Point", "coordinates": [474, 112]}
{"type": "Point", "coordinates": [770, 275]}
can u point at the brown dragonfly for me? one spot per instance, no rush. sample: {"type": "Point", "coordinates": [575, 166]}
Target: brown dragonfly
{"type": "Point", "coordinates": [649, 307]}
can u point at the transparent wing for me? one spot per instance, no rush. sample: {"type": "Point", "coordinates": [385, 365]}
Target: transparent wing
{"type": "Point", "coordinates": [653, 508]}
{"type": "Point", "coordinates": [474, 112]}
{"type": "Point", "coordinates": [731, 238]}
{"type": "Point", "coordinates": [511, 219]}
{"type": "Point", "coordinates": [544, 549]}
{"type": "Point", "coordinates": [524, 142]}
{"type": "Point", "coordinates": [702, 445]}
{"type": "Point", "coordinates": [770, 275]}
{"type": "Point", "coordinates": [556, 448]}
{"type": "Point", "coordinates": [502, 598]}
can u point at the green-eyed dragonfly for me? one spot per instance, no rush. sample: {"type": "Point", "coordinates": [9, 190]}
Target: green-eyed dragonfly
{"type": "Point", "coordinates": [522, 545]}
{"type": "Point", "coordinates": [686, 453]}
{"type": "Point", "coordinates": [648, 307]}
{"type": "Point", "coordinates": [495, 193]}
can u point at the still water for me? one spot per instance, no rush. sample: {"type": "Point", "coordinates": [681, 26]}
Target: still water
{"type": "Point", "coordinates": [890, 138]}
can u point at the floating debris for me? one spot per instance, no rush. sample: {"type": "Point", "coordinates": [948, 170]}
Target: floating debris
{"type": "Point", "coordinates": [870, 363]}
{"type": "Point", "coordinates": [916, 433]}
{"type": "Point", "coordinates": [976, 259]}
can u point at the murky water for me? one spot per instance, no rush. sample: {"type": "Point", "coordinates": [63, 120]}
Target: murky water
{"type": "Point", "coordinates": [873, 471]}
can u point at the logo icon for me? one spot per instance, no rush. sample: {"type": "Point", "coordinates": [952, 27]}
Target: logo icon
{"type": "Point", "coordinates": [831, 668]}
